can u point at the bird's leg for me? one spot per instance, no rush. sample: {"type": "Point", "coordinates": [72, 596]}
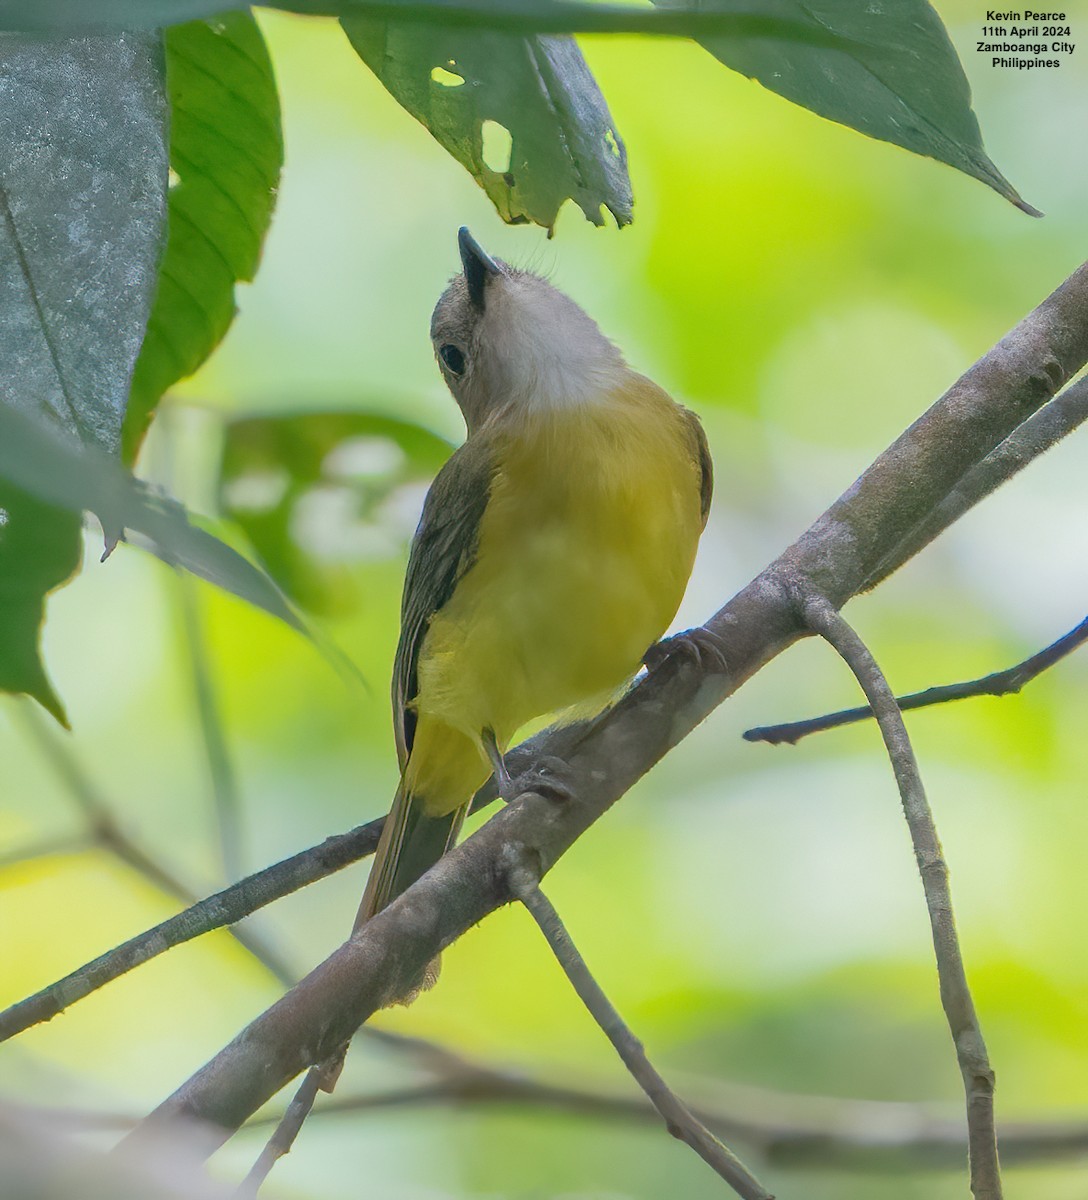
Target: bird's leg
{"type": "Point", "coordinates": [699, 645]}
{"type": "Point", "coordinates": [547, 775]}
{"type": "Point", "coordinates": [498, 763]}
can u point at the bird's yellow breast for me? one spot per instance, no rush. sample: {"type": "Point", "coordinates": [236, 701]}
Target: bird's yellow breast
{"type": "Point", "coordinates": [584, 552]}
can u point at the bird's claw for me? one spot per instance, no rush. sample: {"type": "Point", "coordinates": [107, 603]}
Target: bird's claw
{"type": "Point", "coordinates": [547, 776]}
{"type": "Point", "coordinates": [700, 646]}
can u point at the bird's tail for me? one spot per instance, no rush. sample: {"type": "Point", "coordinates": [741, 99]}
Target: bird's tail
{"type": "Point", "coordinates": [412, 841]}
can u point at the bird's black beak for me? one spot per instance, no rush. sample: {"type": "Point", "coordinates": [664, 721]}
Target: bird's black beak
{"type": "Point", "coordinates": [477, 264]}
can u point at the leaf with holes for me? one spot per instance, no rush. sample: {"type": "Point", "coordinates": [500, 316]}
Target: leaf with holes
{"type": "Point", "coordinates": [82, 191]}
{"type": "Point", "coordinates": [226, 151]}
{"type": "Point", "coordinates": [886, 68]}
{"type": "Point", "coordinates": [524, 115]}
{"type": "Point", "coordinates": [309, 491]}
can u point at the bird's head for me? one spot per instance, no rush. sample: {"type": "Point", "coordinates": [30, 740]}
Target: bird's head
{"type": "Point", "coordinates": [508, 342]}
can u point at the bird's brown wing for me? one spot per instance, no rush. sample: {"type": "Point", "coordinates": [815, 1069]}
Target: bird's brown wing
{"type": "Point", "coordinates": [703, 461]}
{"type": "Point", "coordinates": [443, 549]}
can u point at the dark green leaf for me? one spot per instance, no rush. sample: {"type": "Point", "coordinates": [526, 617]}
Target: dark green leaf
{"type": "Point", "coordinates": [89, 15]}
{"type": "Point", "coordinates": [82, 190]}
{"type": "Point", "coordinates": [39, 550]}
{"type": "Point", "coordinates": [887, 69]}
{"type": "Point", "coordinates": [40, 462]}
{"type": "Point", "coordinates": [281, 475]}
{"type": "Point", "coordinates": [504, 16]}
{"type": "Point", "coordinates": [524, 115]}
{"type": "Point", "coordinates": [226, 151]}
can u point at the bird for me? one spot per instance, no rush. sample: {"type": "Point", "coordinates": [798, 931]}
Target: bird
{"type": "Point", "coordinates": [552, 554]}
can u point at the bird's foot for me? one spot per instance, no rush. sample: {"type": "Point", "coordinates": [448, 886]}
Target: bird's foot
{"type": "Point", "coordinates": [699, 645]}
{"type": "Point", "coordinates": [498, 762]}
{"type": "Point", "coordinates": [548, 776]}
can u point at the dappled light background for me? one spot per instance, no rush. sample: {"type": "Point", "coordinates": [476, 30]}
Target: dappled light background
{"type": "Point", "coordinates": [753, 912]}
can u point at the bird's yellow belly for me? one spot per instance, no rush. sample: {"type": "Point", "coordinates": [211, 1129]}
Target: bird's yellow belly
{"type": "Point", "coordinates": [584, 553]}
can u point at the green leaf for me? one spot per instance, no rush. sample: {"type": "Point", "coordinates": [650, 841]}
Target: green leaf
{"type": "Point", "coordinates": [308, 489]}
{"type": "Point", "coordinates": [62, 475]}
{"type": "Point", "coordinates": [88, 15]}
{"type": "Point", "coordinates": [82, 188]}
{"type": "Point", "coordinates": [226, 151]}
{"type": "Point", "coordinates": [82, 192]}
{"type": "Point", "coordinates": [524, 115]}
{"type": "Point", "coordinates": [887, 69]}
{"type": "Point", "coordinates": [40, 548]}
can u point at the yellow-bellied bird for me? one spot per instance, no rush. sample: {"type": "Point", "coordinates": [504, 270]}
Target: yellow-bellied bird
{"type": "Point", "coordinates": [553, 550]}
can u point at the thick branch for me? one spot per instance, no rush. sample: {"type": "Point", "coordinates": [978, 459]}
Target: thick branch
{"type": "Point", "coordinates": [1045, 429]}
{"type": "Point", "coordinates": [833, 558]}
{"type": "Point", "coordinates": [978, 1078]}
{"type": "Point", "coordinates": [678, 1118]}
{"type": "Point", "coordinates": [999, 683]}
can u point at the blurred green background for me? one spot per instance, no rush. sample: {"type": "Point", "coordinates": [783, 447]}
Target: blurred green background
{"type": "Point", "coordinates": [753, 912]}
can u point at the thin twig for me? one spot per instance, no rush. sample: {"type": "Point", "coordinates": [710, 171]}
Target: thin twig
{"type": "Point", "coordinates": [784, 1129]}
{"type": "Point", "coordinates": [831, 1133]}
{"type": "Point", "coordinates": [321, 1078]}
{"type": "Point", "coordinates": [978, 1077]}
{"type": "Point", "coordinates": [214, 912]}
{"type": "Point", "coordinates": [678, 1118]}
{"type": "Point", "coordinates": [433, 1056]}
{"type": "Point", "coordinates": [283, 1137]}
{"type": "Point", "coordinates": [1000, 683]}
{"type": "Point", "coordinates": [220, 768]}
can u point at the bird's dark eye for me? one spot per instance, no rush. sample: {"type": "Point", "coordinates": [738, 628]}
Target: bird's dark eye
{"type": "Point", "coordinates": [453, 358]}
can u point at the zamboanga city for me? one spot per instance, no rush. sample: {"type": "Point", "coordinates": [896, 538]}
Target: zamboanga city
{"type": "Point", "coordinates": [1014, 39]}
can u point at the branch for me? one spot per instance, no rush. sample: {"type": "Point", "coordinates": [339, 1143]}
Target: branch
{"type": "Point", "coordinates": [978, 1078]}
{"type": "Point", "coordinates": [783, 1129]}
{"type": "Point", "coordinates": [283, 1136]}
{"type": "Point", "coordinates": [999, 683]}
{"type": "Point", "coordinates": [1037, 435]}
{"type": "Point", "coordinates": [320, 1078]}
{"type": "Point", "coordinates": [679, 1120]}
{"type": "Point", "coordinates": [823, 1132]}
{"type": "Point", "coordinates": [833, 558]}
{"type": "Point", "coordinates": [215, 912]}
